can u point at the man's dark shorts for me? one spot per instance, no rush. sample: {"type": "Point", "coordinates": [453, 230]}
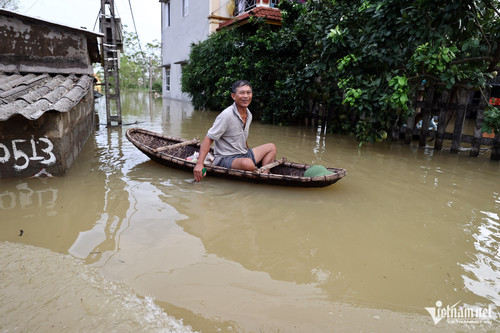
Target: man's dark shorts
{"type": "Point", "coordinates": [226, 161]}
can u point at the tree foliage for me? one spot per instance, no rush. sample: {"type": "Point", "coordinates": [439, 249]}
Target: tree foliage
{"type": "Point", "coordinates": [137, 64]}
{"type": "Point", "coordinates": [9, 4]}
{"type": "Point", "coordinates": [362, 62]}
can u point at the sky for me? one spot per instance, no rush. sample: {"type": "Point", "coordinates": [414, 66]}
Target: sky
{"type": "Point", "coordinates": [77, 13]}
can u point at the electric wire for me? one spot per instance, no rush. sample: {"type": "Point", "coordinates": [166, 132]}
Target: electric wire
{"type": "Point", "coordinates": [224, 4]}
{"type": "Point", "coordinates": [96, 19]}
{"type": "Point", "coordinates": [135, 28]}
{"type": "Point", "coordinates": [27, 10]}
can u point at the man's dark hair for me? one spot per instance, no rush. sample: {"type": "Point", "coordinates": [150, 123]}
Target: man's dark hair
{"type": "Point", "coordinates": [240, 83]}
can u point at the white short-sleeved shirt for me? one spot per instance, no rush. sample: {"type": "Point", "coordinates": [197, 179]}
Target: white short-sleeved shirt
{"type": "Point", "coordinates": [229, 133]}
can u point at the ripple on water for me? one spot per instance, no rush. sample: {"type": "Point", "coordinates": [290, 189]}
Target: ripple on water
{"type": "Point", "coordinates": [44, 291]}
{"type": "Point", "coordinates": [483, 272]}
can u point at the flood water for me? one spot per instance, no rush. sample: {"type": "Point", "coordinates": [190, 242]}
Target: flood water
{"type": "Point", "coordinates": [121, 243]}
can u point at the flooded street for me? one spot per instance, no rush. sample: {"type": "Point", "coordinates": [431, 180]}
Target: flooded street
{"type": "Point", "coordinates": [131, 245]}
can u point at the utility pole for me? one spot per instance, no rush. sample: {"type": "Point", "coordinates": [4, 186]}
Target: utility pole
{"type": "Point", "coordinates": [150, 75]}
{"type": "Point", "coordinates": [111, 44]}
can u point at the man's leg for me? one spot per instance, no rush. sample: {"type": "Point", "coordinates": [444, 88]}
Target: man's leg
{"type": "Point", "coordinates": [243, 163]}
{"type": "Point", "coordinates": [265, 153]}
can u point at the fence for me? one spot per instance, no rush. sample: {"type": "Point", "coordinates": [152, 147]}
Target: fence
{"type": "Point", "coordinates": [438, 112]}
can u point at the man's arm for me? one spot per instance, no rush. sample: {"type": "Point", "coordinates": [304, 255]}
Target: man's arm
{"type": "Point", "coordinates": [198, 169]}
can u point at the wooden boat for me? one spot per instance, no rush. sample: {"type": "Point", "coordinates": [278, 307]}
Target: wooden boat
{"type": "Point", "coordinates": [173, 152]}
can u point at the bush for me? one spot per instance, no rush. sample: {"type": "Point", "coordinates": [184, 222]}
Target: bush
{"type": "Point", "coordinates": [362, 62]}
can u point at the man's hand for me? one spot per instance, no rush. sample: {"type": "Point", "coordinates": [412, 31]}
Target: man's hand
{"type": "Point", "coordinates": [198, 169]}
{"type": "Point", "coordinates": [198, 172]}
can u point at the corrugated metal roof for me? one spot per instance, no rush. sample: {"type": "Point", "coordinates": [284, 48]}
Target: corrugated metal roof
{"type": "Point", "coordinates": [31, 95]}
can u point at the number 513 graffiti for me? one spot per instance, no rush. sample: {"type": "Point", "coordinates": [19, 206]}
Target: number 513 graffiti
{"type": "Point", "coordinates": [45, 145]}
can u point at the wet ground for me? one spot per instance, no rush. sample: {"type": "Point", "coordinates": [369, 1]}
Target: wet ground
{"type": "Point", "coordinates": [121, 239]}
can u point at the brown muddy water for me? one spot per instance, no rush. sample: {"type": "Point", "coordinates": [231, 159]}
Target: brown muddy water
{"type": "Point", "coordinates": [124, 244]}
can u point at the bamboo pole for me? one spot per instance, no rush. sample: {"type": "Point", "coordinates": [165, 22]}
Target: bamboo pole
{"type": "Point", "coordinates": [176, 145]}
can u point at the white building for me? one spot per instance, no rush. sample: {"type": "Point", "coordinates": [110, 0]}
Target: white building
{"type": "Point", "coordinates": [190, 21]}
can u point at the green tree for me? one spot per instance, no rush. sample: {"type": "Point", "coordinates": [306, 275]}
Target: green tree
{"type": "Point", "coordinates": [362, 63]}
{"type": "Point", "coordinates": [138, 64]}
{"type": "Point", "coordinates": [9, 4]}
{"type": "Point", "coordinates": [131, 74]}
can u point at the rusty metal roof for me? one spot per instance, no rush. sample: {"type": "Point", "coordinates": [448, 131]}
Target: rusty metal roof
{"type": "Point", "coordinates": [31, 95]}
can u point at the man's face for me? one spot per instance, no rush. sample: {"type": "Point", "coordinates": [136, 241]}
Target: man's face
{"type": "Point", "coordinates": [243, 96]}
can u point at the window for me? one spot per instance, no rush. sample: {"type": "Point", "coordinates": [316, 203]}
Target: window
{"type": "Point", "coordinates": [167, 14]}
{"type": "Point", "coordinates": [185, 6]}
{"type": "Point", "coordinates": [167, 79]}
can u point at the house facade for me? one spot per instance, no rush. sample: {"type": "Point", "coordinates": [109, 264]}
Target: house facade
{"type": "Point", "coordinates": [190, 21]}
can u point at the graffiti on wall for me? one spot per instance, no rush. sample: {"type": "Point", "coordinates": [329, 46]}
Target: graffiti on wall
{"type": "Point", "coordinates": [22, 152]}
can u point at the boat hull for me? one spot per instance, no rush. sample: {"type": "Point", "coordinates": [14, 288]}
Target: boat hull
{"type": "Point", "coordinates": [285, 174]}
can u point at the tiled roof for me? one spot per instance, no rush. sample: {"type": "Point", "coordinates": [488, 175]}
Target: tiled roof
{"type": "Point", "coordinates": [271, 15]}
{"type": "Point", "coordinates": [31, 95]}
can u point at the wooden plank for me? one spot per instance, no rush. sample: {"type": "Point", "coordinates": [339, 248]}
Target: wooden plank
{"type": "Point", "coordinates": [271, 165]}
{"type": "Point", "coordinates": [176, 145]}
{"type": "Point", "coordinates": [478, 133]}
{"type": "Point", "coordinates": [495, 153]}
{"type": "Point", "coordinates": [395, 130]}
{"type": "Point", "coordinates": [460, 121]}
{"type": "Point", "coordinates": [426, 116]}
{"type": "Point", "coordinates": [410, 123]}
{"type": "Point", "coordinates": [443, 110]}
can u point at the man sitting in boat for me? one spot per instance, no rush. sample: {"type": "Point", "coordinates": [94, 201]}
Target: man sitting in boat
{"type": "Point", "coordinates": [229, 134]}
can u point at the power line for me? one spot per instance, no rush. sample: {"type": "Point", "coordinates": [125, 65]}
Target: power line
{"type": "Point", "coordinates": [96, 19]}
{"type": "Point", "coordinates": [27, 10]}
{"type": "Point", "coordinates": [224, 4]}
{"type": "Point", "coordinates": [133, 20]}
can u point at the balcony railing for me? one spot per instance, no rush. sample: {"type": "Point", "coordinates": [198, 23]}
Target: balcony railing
{"type": "Point", "coordinates": [242, 6]}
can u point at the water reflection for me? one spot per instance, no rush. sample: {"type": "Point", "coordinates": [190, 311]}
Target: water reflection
{"type": "Point", "coordinates": [175, 112]}
{"type": "Point", "coordinates": [103, 238]}
{"type": "Point", "coordinates": [49, 210]}
{"type": "Point", "coordinates": [405, 228]}
{"type": "Point", "coordinates": [25, 198]}
{"type": "Point", "coordinates": [482, 270]}
{"type": "Point", "coordinates": [320, 147]}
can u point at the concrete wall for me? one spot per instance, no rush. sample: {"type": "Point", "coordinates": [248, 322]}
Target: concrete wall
{"type": "Point", "coordinates": [46, 119]}
{"type": "Point", "coordinates": [48, 145]}
{"type": "Point", "coordinates": [36, 46]}
{"type": "Point", "coordinates": [182, 31]}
